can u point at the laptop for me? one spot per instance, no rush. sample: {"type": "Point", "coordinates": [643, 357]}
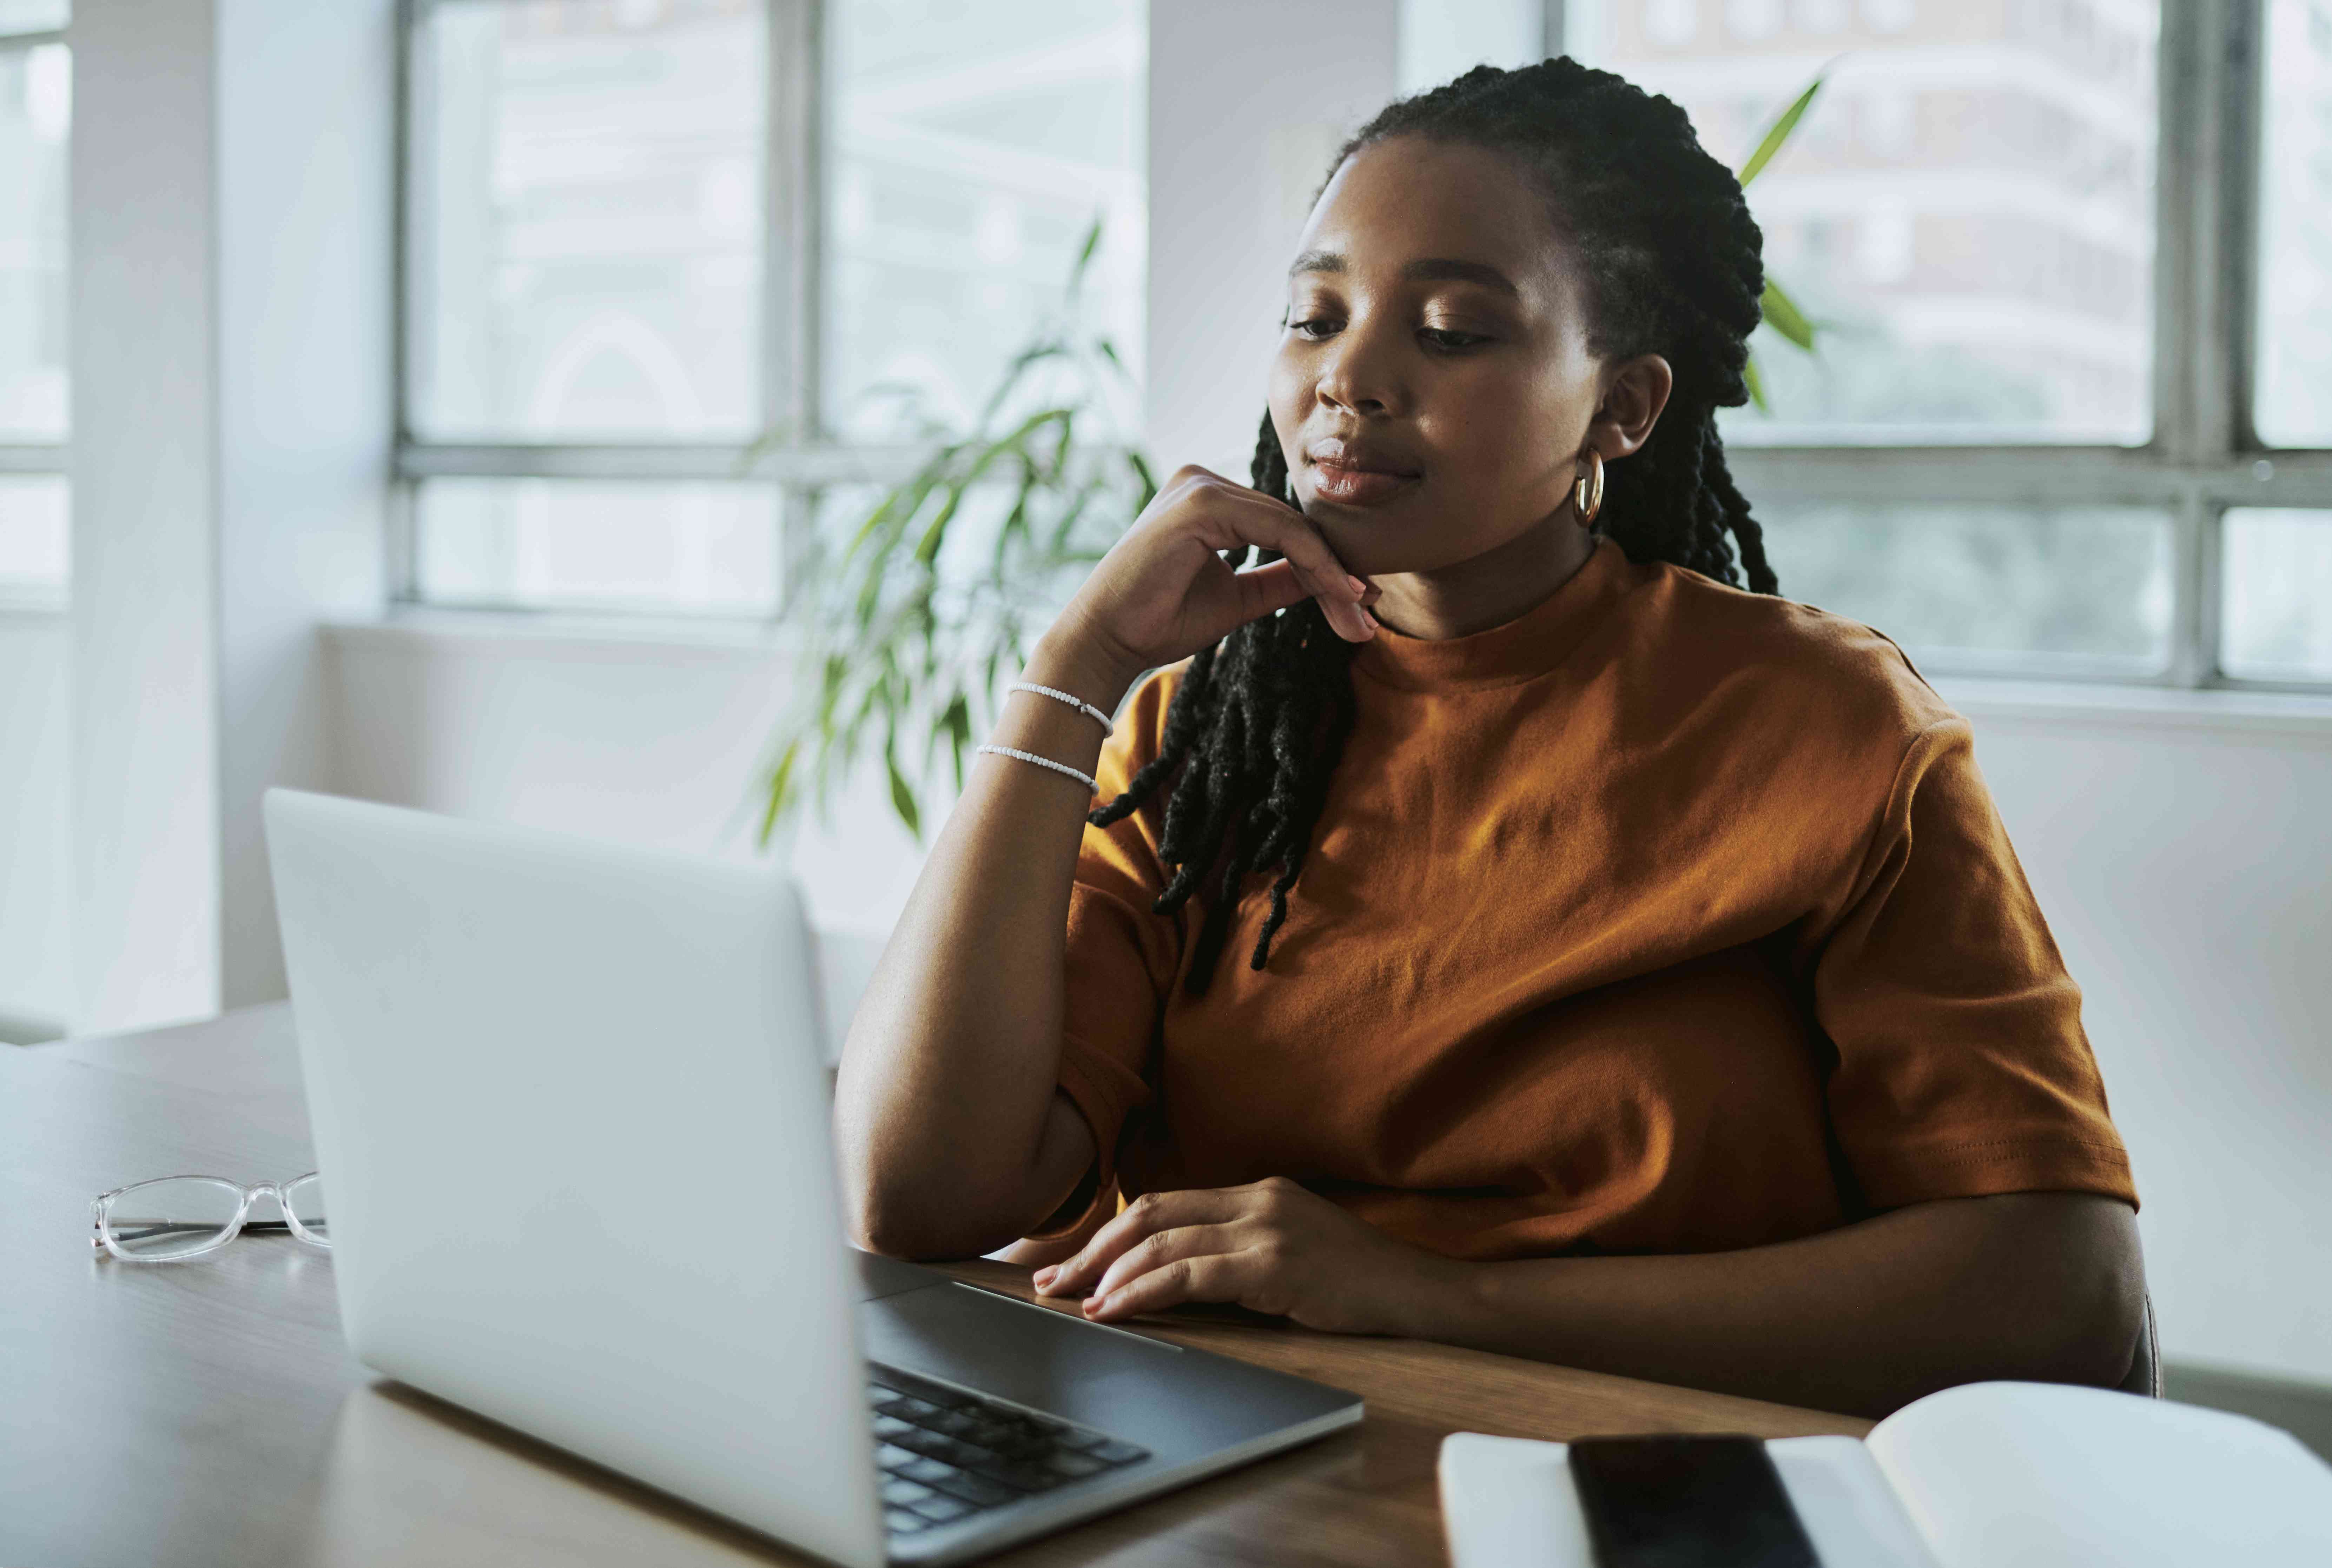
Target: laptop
{"type": "Point", "coordinates": [573, 1125]}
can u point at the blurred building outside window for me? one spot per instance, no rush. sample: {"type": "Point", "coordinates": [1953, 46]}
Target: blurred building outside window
{"type": "Point", "coordinates": [602, 255]}
{"type": "Point", "coordinates": [35, 126]}
{"type": "Point", "coordinates": [1970, 213]}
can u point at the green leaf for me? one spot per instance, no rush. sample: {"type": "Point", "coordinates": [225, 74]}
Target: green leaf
{"type": "Point", "coordinates": [1035, 354]}
{"type": "Point", "coordinates": [1756, 385]}
{"type": "Point", "coordinates": [780, 792]}
{"type": "Point", "coordinates": [1085, 255]}
{"type": "Point", "coordinates": [956, 721]}
{"type": "Point", "coordinates": [903, 794]}
{"type": "Point", "coordinates": [1782, 315]}
{"type": "Point", "coordinates": [1141, 466]}
{"type": "Point", "coordinates": [1779, 132]}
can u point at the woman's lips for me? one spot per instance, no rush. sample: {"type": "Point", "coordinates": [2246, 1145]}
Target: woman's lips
{"type": "Point", "coordinates": [1358, 487]}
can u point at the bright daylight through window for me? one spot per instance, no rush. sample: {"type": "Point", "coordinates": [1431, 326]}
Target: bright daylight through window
{"type": "Point", "coordinates": [630, 265]}
{"type": "Point", "coordinates": [2277, 604]}
{"type": "Point", "coordinates": [35, 121]}
{"type": "Point", "coordinates": [595, 257]}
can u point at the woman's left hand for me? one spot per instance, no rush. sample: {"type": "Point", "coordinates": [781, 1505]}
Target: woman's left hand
{"type": "Point", "coordinates": [1271, 1246]}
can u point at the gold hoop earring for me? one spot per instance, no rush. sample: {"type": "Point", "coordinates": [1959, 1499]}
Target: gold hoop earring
{"type": "Point", "coordinates": [1587, 490]}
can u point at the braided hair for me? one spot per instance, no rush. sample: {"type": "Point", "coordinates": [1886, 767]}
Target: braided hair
{"type": "Point", "coordinates": [1670, 258]}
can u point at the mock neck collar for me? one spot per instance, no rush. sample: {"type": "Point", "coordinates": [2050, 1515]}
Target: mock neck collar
{"type": "Point", "coordinates": [1526, 647]}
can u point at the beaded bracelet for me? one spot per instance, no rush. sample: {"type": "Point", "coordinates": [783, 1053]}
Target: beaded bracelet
{"type": "Point", "coordinates": [1091, 783]}
{"type": "Point", "coordinates": [1082, 705]}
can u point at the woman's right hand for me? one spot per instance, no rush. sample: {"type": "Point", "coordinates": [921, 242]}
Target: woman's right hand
{"type": "Point", "coordinates": [1163, 592]}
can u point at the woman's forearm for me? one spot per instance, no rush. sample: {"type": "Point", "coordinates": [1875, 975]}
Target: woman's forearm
{"type": "Point", "coordinates": [2043, 1286]}
{"type": "Point", "coordinates": [952, 1137]}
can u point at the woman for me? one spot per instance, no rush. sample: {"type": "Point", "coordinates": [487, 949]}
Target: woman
{"type": "Point", "coordinates": [1503, 930]}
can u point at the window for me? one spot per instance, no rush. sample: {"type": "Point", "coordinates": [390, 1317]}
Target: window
{"type": "Point", "coordinates": [2278, 622]}
{"type": "Point", "coordinates": [970, 149]}
{"type": "Point", "coordinates": [674, 268]}
{"type": "Point", "coordinates": [2029, 442]}
{"type": "Point", "coordinates": [36, 121]}
{"type": "Point", "coordinates": [588, 235]}
{"type": "Point", "coordinates": [1967, 211]}
{"type": "Point", "coordinates": [2292, 402]}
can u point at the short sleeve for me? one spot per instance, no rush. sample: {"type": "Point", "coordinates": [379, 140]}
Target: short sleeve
{"type": "Point", "coordinates": [1963, 1069]}
{"type": "Point", "coordinates": [1123, 956]}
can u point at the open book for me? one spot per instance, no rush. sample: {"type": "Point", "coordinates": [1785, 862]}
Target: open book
{"type": "Point", "coordinates": [1993, 1475]}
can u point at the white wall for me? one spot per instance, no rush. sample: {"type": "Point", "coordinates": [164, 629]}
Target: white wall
{"type": "Point", "coordinates": [2185, 865]}
{"type": "Point", "coordinates": [145, 862]}
{"type": "Point", "coordinates": [305, 238]}
{"type": "Point", "coordinates": [231, 263]}
{"type": "Point", "coordinates": [36, 741]}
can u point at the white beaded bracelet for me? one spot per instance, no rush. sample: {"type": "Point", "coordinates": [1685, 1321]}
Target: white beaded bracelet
{"type": "Point", "coordinates": [1086, 779]}
{"type": "Point", "coordinates": [1080, 703]}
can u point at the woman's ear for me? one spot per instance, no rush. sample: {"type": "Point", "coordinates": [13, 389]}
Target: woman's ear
{"type": "Point", "coordinates": [1636, 391]}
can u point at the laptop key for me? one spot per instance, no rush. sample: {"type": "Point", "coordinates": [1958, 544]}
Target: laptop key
{"type": "Point", "coordinates": [900, 1494]}
{"type": "Point", "coordinates": [1111, 1451]}
{"type": "Point", "coordinates": [932, 1446]}
{"type": "Point", "coordinates": [1072, 1464]}
{"type": "Point", "coordinates": [899, 1522]}
{"type": "Point", "coordinates": [975, 1489]}
{"type": "Point", "coordinates": [939, 1510]}
{"type": "Point", "coordinates": [918, 1469]}
{"type": "Point", "coordinates": [1024, 1476]}
{"type": "Point", "coordinates": [892, 1457]}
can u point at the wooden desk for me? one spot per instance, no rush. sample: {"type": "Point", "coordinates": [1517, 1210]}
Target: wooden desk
{"type": "Point", "coordinates": [207, 1413]}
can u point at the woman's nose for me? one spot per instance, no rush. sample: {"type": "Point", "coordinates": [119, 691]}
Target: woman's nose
{"type": "Point", "coordinates": [1362, 375]}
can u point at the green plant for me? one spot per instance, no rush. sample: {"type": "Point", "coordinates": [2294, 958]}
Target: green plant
{"type": "Point", "coordinates": [1779, 310]}
{"type": "Point", "coordinates": [906, 624]}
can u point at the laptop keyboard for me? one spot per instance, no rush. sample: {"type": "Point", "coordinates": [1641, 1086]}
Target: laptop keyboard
{"type": "Point", "coordinates": [946, 1455]}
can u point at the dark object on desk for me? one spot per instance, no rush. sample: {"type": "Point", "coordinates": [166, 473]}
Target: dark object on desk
{"type": "Point", "coordinates": [1686, 1502]}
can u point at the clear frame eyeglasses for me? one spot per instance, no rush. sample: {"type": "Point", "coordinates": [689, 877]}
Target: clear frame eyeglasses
{"type": "Point", "coordinates": [171, 1218]}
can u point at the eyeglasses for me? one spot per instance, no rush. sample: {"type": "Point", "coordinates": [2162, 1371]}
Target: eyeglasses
{"type": "Point", "coordinates": [171, 1218]}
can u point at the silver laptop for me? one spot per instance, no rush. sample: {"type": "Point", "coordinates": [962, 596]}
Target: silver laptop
{"type": "Point", "coordinates": [572, 1122]}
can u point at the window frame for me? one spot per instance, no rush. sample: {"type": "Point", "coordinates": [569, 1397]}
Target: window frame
{"type": "Point", "coordinates": [19, 456]}
{"type": "Point", "coordinates": [2203, 456]}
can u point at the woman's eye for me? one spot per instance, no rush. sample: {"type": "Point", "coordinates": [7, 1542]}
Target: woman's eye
{"type": "Point", "coordinates": [1442, 337]}
{"type": "Point", "coordinates": [1314, 328]}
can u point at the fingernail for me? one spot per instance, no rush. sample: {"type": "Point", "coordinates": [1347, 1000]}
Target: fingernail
{"type": "Point", "coordinates": [1046, 1275]}
{"type": "Point", "coordinates": [1370, 619]}
{"type": "Point", "coordinates": [1358, 587]}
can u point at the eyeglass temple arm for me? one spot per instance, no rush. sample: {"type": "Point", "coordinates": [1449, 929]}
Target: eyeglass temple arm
{"type": "Point", "coordinates": [140, 1230]}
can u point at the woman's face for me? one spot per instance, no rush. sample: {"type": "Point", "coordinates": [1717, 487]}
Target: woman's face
{"type": "Point", "coordinates": [1434, 392]}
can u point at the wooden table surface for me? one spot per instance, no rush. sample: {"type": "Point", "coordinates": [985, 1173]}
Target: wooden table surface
{"type": "Point", "coordinates": [207, 1413]}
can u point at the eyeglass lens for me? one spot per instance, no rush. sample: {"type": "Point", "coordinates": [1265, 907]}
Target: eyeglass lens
{"type": "Point", "coordinates": [174, 1218]}
{"type": "Point", "coordinates": [303, 1201]}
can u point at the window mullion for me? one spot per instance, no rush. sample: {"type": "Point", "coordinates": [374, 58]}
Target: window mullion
{"type": "Point", "coordinates": [2236, 67]}
{"type": "Point", "coordinates": [788, 262]}
{"type": "Point", "coordinates": [2182, 157]}
{"type": "Point", "coordinates": [791, 254]}
{"type": "Point", "coordinates": [400, 554]}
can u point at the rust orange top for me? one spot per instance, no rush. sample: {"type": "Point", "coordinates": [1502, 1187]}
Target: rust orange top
{"type": "Point", "coordinates": [1665, 917]}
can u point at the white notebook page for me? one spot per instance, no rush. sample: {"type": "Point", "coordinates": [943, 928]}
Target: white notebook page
{"type": "Point", "coordinates": [2012, 1474]}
